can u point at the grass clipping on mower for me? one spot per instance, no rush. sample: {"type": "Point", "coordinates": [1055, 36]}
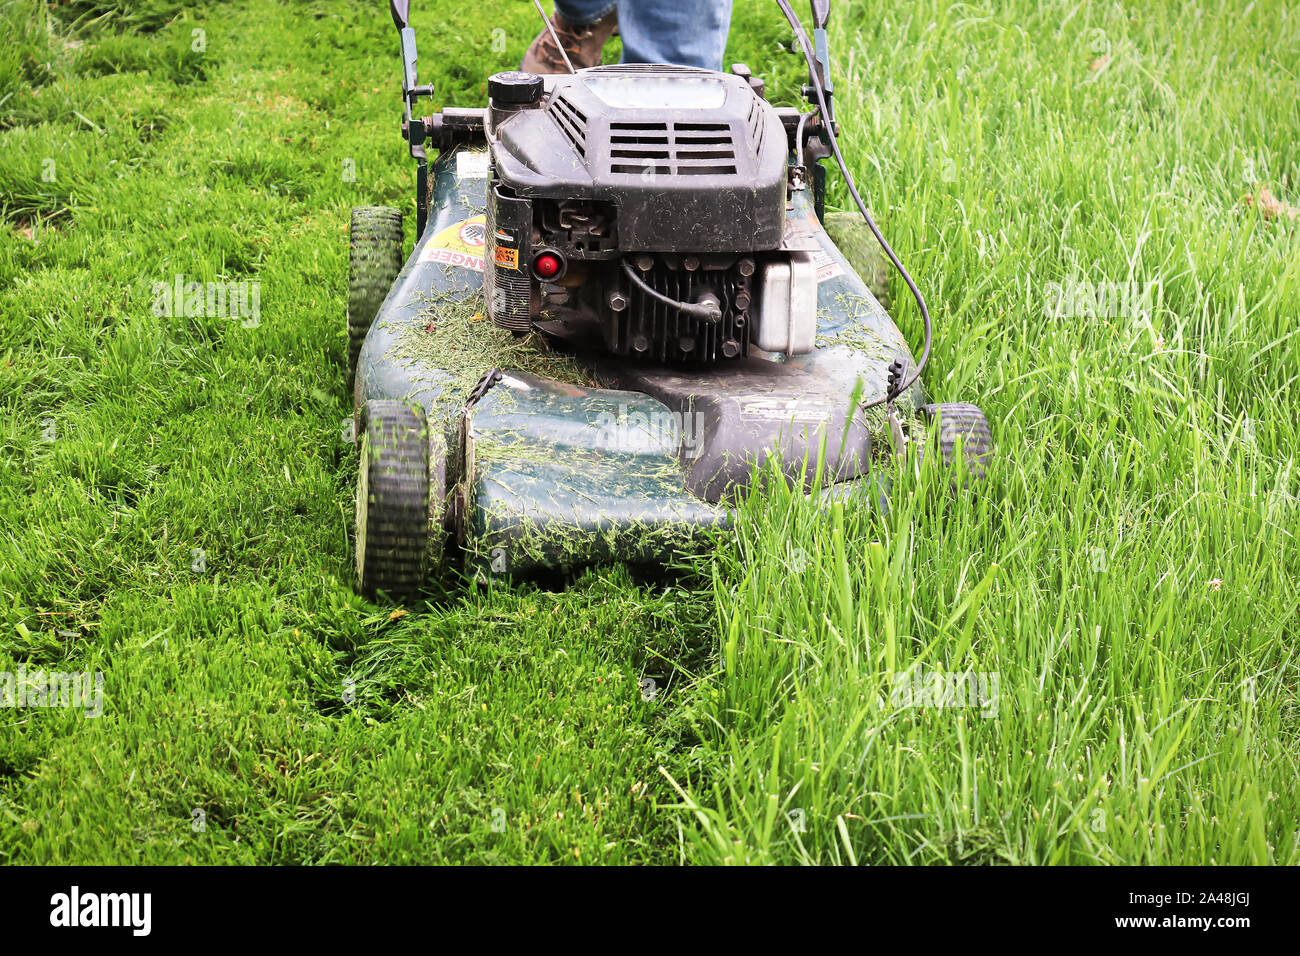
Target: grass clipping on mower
{"type": "Point", "coordinates": [460, 339]}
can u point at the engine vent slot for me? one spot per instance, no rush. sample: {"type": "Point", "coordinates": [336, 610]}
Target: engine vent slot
{"type": "Point", "coordinates": [704, 149]}
{"type": "Point", "coordinates": [572, 122]}
{"type": "Point", "coordinates": [756, 127]}
{"type": "Point", "coordinates": [684, 149]}
{"type": "Point", "coordinates": [660, 129]}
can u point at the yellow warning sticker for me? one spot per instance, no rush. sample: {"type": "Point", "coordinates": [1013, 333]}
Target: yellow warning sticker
{"type": "Point", "coordinates": [507, 258]}
{"type": "Point", "coordinates": [460, 244]}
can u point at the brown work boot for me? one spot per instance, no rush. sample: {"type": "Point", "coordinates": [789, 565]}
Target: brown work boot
{"type": "Point", "coordinates": [584, 45]}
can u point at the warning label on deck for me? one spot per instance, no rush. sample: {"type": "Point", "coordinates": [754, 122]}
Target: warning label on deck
{"type": "Point", "coordinates": [460, 245]}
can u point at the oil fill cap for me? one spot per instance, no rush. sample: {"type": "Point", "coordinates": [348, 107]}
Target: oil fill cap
{"type": "Point", "coordinates": [514, 87]}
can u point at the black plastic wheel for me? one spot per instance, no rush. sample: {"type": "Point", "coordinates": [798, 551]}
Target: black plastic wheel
{"type": "Point", "coordinates": [393, 500]}
{"type": "Point", "coordinates": [855, 241]}
{"type": "Point", "coordinates": [953, 421]}
{"type": "Point", "coordinates": [374, 260]}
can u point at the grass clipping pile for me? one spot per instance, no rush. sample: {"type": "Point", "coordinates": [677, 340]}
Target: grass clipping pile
{"type": "Point", "coordinates": [461, 341]}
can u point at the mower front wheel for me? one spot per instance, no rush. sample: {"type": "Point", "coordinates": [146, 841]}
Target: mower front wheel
{"type": "Point", "coordinates": [374, 261]}
{"type": "Point", "coordinates": [393, 495]}
{"type": "Point", "coordinates": [960, 423]}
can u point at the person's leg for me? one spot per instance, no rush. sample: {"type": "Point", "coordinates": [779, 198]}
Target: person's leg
{"type": "Point", "coordinates": [581, 13]}
{"type": "Point", "coordinates": [681, 32]}
{"type": "Point", "coordinates": [583, 26]}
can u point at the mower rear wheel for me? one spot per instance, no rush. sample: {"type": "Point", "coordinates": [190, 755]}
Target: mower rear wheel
{"type": "Point", "coordinates": [374, 260]}
{"type": "Point", "coordinates": [960, 421]}
{"type": "Point", "coordinates": [856, 242]}
{"type": "Point", "coordinates": [393, 500]}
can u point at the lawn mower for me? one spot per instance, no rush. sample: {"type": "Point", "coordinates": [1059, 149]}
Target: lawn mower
{"type": "Point", "coordinates": [621, 304]}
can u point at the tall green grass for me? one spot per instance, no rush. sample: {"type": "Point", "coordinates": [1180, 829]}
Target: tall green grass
{"type": "Point", "coordinates": [1129, 568]}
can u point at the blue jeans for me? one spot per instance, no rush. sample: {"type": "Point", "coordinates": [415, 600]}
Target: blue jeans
{"type": "Point", "coordinates": [682, 32]}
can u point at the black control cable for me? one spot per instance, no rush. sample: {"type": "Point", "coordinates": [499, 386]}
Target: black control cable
{"type": "Point", "coordinates": [895, 389]}
{"type": "Point", "coordinates": [709, 311]}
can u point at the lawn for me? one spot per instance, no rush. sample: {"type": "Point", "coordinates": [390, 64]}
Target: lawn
{"type": "Point", "coordinates": [1100, 202]}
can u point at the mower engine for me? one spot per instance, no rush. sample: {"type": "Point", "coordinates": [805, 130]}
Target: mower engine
{"type": "Point", "coordinates": [647, 203]}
